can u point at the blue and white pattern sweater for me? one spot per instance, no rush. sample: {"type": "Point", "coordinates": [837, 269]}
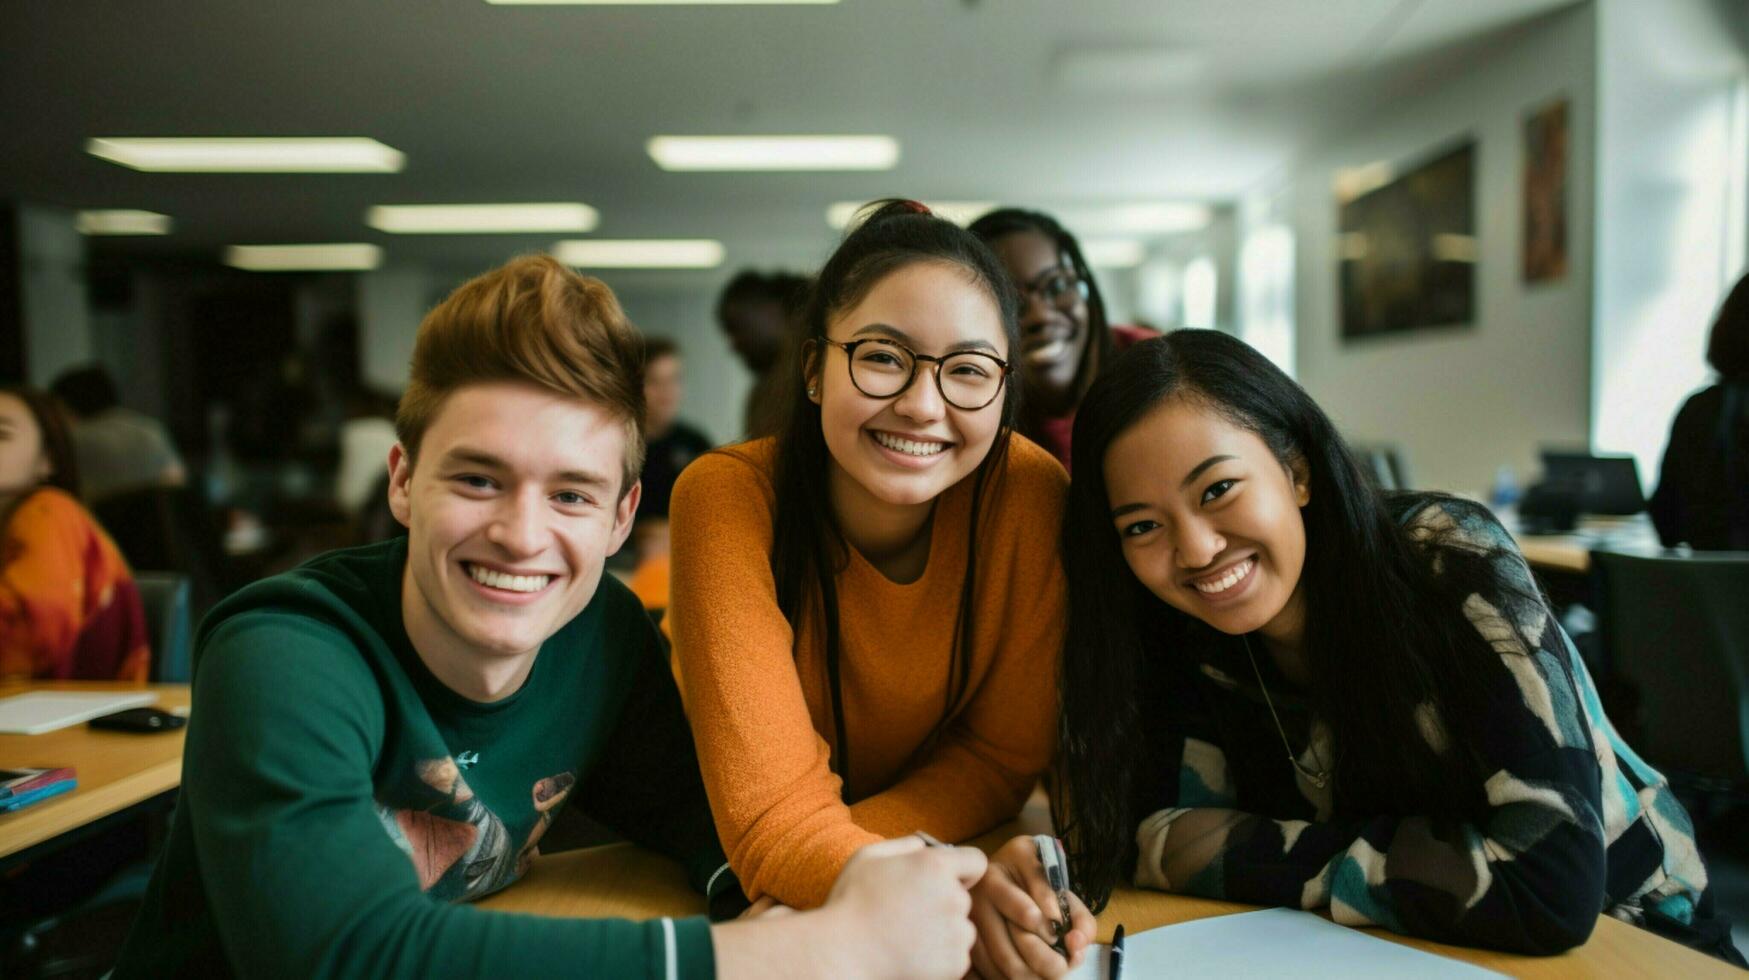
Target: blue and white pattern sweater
{"type": "Point", "coordinates": [1576, 824]}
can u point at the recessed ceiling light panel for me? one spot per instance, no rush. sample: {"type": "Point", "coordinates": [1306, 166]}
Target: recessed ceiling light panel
{"type": "Point", "coordinates": [352, 256]}
{"type": "Point", "coordinates": [644, 253]}
{"type": "Point", "coordinates": [480, 219]}
{"type": "Point", "coordinates": [840, 213]}
{"type": "Point", "coordinates": [294, 155]}
{"type": "Point", "coordinates": [1137, 218]}
{"type": "Point", "coordinates": [122, 222]}
{"type": "Point", "coordinates": [774, 152]}
{"type": "Point", "coordinates": [1113, 253]}
{"type": "Point", "coordinates": [652, 3]}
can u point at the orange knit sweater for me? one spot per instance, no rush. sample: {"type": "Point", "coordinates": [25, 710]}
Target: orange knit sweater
{"type": "Point", "coordinates": [69, 607]}
{"type": "Point", "coordinates": [761, 711]}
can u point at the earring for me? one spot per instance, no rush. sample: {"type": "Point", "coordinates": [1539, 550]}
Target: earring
{"type": "Point", "coordinates": [812, 391]}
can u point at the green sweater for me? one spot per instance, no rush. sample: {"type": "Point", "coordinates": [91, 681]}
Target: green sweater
{"type": "Point", "coordinates": [338, 801]}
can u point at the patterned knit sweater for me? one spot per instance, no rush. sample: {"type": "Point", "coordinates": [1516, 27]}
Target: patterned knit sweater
{"type": "Point", "coordinates": [1575, 823]}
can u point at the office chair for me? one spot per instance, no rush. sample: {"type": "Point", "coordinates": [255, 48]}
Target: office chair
{"type": "Point", "coordinates": [1385, 463]}
{"type": "Point", "coordinates": [1677, 630]}
{"type": "Point", "coordinates": [166, 598]}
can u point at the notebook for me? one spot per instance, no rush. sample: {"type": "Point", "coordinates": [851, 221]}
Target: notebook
{"type": "Point", "coordinates": [45, 711]}
{"type": "Point", "coordinates": [1270, 943]}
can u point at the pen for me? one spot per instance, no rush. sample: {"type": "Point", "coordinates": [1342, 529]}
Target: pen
{"type": "Point", "coordinates": [1056, 868]}
{"type": "Point", "coordinates": [1117, 954]}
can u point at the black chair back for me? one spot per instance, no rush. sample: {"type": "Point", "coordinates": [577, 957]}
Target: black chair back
{"type": "Point", "coordinates": [166, 598]}
{"type": "Point", "coordinates": [1676, 630]}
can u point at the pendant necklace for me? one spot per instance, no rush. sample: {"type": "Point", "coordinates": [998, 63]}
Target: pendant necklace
{"type": "Point", "coordinates": [1319, 777]}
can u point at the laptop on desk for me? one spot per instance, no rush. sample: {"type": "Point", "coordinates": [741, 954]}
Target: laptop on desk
{"type": "Point", "coordinates": [1599, 484]}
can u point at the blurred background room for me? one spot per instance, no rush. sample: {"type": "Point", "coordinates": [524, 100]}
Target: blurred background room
{"type": "Point", "coordinates": [1493, 238]}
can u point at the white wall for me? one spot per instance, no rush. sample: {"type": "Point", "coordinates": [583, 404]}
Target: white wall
{"type": "Point", "coordinates": [391, 302]}
{"type": "Point", "coordinates": [57, 314]}
{"type": "Point", "coordinates": [1671, 167]}
{"type": "Point", "coordinates": [1463, 401]}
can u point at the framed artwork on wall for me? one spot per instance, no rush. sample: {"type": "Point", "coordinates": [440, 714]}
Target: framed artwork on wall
{"type": "Point", "coordinates": [1545, 193]}
{"type": "Point", "coordinates": [1407, 248]}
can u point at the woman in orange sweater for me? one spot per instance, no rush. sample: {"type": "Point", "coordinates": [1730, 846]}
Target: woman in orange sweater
{"type": "Point", "coordinates": [867, 610]}
{"type": "Point", "coordinates": [68, 604]}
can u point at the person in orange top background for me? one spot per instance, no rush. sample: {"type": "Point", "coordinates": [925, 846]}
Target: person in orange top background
{"type": "Point", "coordinates": [867, 609]}
{"type": "Point", "coordinates": [69, 607]}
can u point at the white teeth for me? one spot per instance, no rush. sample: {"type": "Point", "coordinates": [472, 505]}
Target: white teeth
{"type": "Point", "coordinates": [509, 583]}
{"type": "Point", "coordinates": [1049, 352]}
{"type": "Point", "coordinates": [1234, 576]}
{"type": "Point", "coordinates": [909, 447]}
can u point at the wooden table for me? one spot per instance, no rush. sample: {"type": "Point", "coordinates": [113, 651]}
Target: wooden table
{"type": "Point", "coordinates": [1570, 552]}
{"type": "Point", "coordinates": [115, 770]}
{"type": "Point", "coordinates": [1556, 552]}
{"type": "Point", "coordinates": [624, 881]}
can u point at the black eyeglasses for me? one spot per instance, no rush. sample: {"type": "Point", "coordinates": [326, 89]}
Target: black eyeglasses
{"type": "Point", "coordinates": [1058, 287]}
{"type": "Point", "coordinates": [881, 368]}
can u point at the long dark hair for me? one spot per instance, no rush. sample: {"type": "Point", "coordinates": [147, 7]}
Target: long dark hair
{"type": "Point", "coordinates": [808, 547]}
{"type": "Point", "coordinates": [57, 441]}
{"type": "Point", "coordinates": [1003, 222]}
{"type": "Point", "coordinates": [1383, 634]}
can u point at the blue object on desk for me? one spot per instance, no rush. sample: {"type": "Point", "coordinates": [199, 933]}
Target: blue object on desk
{"type": "Point", "coordinates": [28, 797]}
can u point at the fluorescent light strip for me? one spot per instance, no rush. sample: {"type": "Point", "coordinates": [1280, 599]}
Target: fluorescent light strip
{"type": "Point", "coordinates": [1137, 218]}
{"type": "Point", "coordinates": [1112, 253]}
{"type": "Point", "coordinates": [122, 222]}
{"type": "Point", "coordinates": [652, 3]}
{"type": "Point", "coordinates": [296, 155]}
{"type": "Point", "coordinates": [774, 152]}
{"type": "Point", "coordinates": [840, 213]}
{"type": "Point", "coordinates": [647, 253]}
{"type": "Point", "coordinates": [468, 219]}
{"type": "Point", "coordinates": [356, 256]}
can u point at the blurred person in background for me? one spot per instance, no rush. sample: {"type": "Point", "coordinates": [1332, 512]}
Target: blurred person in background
{"type": "Point", "coordinates": [366, 436]}
{"type": "Point", "coordinates": [1065, 339]}
{"type": "Point", "coordinates": [1703, 488]}
{"type": "Point", "coordinates": [755, 310]}
{"type": "Point", "coordinates": [670, 445]}
{"type": "Point", "coordinates": [118, 449]}
{"type": "Point", "coordinates": [69, 607]}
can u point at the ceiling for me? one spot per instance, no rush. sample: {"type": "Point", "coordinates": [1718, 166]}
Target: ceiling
{"type": "Point", "coordinates": [990, 99]}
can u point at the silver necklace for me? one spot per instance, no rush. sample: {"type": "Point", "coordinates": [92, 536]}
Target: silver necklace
{"type": "Point", "coordinates": [1319, 777]}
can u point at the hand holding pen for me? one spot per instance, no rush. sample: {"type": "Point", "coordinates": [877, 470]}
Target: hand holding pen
{"type": "Point", "coordinates": [1027, 927]}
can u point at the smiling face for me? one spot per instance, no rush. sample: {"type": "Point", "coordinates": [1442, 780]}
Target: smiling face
{"type": "Point", "coordinates": [904, 451]}
{"type": "Point", "coordinates": [1053, 314]}
{"type": "Point", "coordinates": [1209, 520]}
{"type": "Point", "coordinates": [512, 508]}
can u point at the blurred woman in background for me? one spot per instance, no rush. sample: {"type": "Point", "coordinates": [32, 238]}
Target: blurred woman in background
{"type": "Point", "coordinates": [69, 607]}
{"type": "Point", "coordinates": [1703, 488]}
{"type": "Point", "coordinates": [1065, 339]}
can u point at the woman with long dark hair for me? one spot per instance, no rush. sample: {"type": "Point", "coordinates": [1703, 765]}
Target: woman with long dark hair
{"type": "Point", "coordinates": [868, 609]}
{"type": "Point", "coordinates": [69, 607]}
{"type": "Point", "coordinates": [1065, 335]}
{"type": "Point", "coordinates": [1703, 485]}
{"type": "Point", "coordinates": [1283, 687]}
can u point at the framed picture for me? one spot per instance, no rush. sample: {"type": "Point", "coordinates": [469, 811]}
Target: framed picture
{"type": "Point", "coordinates": [1545, 193]}
{"type": "Point", "coordinates": [1408, 249]}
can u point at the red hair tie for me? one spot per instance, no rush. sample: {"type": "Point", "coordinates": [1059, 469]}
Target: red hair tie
{"type": "Point", "coordinates": [918, 207]}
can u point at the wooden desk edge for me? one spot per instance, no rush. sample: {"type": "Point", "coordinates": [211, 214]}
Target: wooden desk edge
{"type": "Point", "coordinates": [592, 883]}
{"type": "Point", "coordinates": [53, 817]}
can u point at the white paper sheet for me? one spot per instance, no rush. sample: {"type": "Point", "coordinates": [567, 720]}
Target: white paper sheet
{"type": "Point", "coordinates": [1270, 943]}
{"type": "Point", "coordinates": [45, 711]}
